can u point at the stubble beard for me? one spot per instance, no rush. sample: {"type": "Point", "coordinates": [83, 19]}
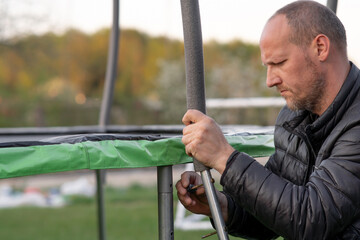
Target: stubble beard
{"type": "Point", "coordinates": [313, 99]}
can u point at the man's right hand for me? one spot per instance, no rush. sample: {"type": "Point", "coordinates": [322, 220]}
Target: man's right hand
{"type": "Point", "coordinates": [196, 202]}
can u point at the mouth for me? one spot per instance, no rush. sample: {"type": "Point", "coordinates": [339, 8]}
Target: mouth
{"type": "Point", "coordinates": [283, 91]}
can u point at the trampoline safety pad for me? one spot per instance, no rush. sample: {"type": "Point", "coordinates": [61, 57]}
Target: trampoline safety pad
{"type": "Point", "coordinates": [107, 151]}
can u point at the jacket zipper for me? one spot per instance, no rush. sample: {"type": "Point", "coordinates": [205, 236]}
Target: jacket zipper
{"type": "Point", "coordinates": [311, 163]}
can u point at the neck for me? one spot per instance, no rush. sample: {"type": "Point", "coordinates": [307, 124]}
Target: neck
{"type": "Point", "coordinates": [335, 76]}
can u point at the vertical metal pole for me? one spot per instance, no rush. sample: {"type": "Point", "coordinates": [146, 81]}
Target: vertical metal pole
{"type": "Point", "coordinates": [165, 203]}
{"type": "Point", "coordinates": [332, 4]}
{"type": "Point", "coordinates": [100, 204]}
{"type": "Point", "coordinates": [104, 118]}
{"type": "Point", "coordinates": [195, 89]}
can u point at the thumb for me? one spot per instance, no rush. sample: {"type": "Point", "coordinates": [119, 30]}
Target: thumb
{"type": "Point", "coordinates": [192, 116]}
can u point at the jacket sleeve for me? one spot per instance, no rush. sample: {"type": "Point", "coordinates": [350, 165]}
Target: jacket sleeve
{"type": "Point", "coordinates": [242, 224]}
{"type": "Point", "coordinates": [321, 209]}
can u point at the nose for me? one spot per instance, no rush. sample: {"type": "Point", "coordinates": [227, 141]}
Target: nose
{"type": "Point", "coordinates": [272, 79]}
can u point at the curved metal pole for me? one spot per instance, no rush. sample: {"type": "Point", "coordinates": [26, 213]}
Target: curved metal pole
{"type": "Point", "coordinates": [104, 118]}
{"type": "Point", "coordinates": [110, 69]}
{"type": "Point", "coordinates": [332, 4]}
{"type": "Point", "coordinates": [195, 89]}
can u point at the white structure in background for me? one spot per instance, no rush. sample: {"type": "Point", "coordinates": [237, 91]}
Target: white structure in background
{"type": "Point", "coordinates": [30, 197]}
{"type": "Point", "coordinates": [81, 186]}
{"type": "Point", "coordinates": [245, 102]}
{"type": "Point", "coordinates": [33, 196]}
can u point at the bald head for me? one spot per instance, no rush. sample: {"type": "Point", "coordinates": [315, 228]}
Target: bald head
{"type": "Point", "coordinates": [303, 46]}
{"type": "Point", "coordinates": [307, 19]}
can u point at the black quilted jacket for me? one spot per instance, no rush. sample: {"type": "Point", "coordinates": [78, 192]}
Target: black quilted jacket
{"type": "Point", "coordinates": [310, 187]}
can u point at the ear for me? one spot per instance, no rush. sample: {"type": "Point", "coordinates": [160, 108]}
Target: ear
{"type": "Point", "coordinates": [321, 45]}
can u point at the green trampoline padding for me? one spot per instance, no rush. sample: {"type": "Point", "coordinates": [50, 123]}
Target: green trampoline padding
{"type": "Point", "coordinates": [109, 151]}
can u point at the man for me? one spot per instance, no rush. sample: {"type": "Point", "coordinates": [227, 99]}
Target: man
{"type": "Point", "coordinates": [310, 186]}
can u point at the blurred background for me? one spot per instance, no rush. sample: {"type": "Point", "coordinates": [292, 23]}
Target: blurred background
{"type": "Point", "coordinates": [53, 57]}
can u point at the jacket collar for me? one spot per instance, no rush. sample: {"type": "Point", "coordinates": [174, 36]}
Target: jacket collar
{"type": "Point", "coordinates": [327, 121]}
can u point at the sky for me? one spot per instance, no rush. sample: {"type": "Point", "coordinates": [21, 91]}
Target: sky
{"type": "Point", "coordinates": [221, 20]}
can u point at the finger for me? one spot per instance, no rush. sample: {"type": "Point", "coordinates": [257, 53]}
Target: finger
{"type": "Point", "coordinates": [187, 118]}
{"type": "Point", "coordinates": [192, 116]}
{"type": "Point", "coordinates": [179, 185]}
{"type": "Point", "coordinates": [200, 193]}
{"type": "Point", "coordinates": [190, 177]}
{"type": "Point", "coordinates": [186, 140]}
{"type": "Point", "coordinates": [187, 136]}
{"type": "Point", "coordinates": [185, 199]}
{"type": "Point", "coordinates": [189, 150]}
{"type": "Point", "coordinates": [183, 195]}
{"type": "Point", "coordinates": [189, 129]}
{"type": "Point", "coordinates": [194, 178]}
{"type": "Point", "coordinates": [180, 188]}
{"type": "Point", "coordinates": [185, 179]}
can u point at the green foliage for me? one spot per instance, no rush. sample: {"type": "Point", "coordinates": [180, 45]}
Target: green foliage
{"type": "Point", "coordinates": [57, 79]}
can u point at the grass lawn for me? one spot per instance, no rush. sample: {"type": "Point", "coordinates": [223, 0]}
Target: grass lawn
{"type": "Point", "coordinates": [131, 214]}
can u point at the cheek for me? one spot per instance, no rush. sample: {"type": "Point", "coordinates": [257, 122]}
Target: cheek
{"type": "Point", "coordinates": [298, 77]}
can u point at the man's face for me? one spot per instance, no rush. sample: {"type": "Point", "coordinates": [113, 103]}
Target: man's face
{"type": "Point", "coordinates": [290, 68]}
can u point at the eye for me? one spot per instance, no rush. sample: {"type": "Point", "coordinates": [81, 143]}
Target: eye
{"type": "Point", "coordinates": [274, 63]}
{"type": "Point", "coordinates": [280, 63]}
